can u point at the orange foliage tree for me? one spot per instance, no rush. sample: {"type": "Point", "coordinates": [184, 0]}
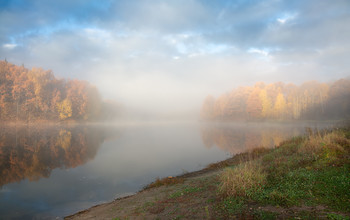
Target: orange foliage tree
{"type": "Point", "coordinates": [276, 101]}
{"type": "Point", "coordinates": [30, 95]}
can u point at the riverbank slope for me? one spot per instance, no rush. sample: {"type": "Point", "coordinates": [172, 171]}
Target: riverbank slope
{"type": "Point", "coordinates": [304, 177]}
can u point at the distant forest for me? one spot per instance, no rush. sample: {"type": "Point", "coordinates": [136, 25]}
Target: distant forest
{"type": "Point", "coordinates": [279, 101]}
{"type": "Point", "coordinates": [36, 94]}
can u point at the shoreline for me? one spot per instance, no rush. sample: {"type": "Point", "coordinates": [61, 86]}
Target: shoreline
{"type": "Point", "coordinates": [144, 189]}
{"type": "Point", "coordinates": [139, 197]}
{"type": "Point", "coordinates": [304, 177]}
{"type": "Point", "coordinates": [211, 170]}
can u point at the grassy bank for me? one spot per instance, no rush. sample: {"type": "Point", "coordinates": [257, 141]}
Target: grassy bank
{"type": "Point", "coordinates": [305, 178]}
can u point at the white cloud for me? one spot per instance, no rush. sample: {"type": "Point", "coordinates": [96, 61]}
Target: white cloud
{"type": "Point", "coordinates": [259, 51]}
{"type": "Point", "coordinates": [9, 46]}
{"type": "Point", "coordinates": [287, 17]}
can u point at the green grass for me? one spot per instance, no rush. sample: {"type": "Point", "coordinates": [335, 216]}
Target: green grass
{"type": "Point", "coordinates": [329, 186]}
{"type": "Point", "coordinates": [260, 214]}
{"type": "Point", "coordinates": [305, 171]}
{"type": "Point", "coordinates": [334, 216]}
{"type": "Point", "coordinates": [185, 191]}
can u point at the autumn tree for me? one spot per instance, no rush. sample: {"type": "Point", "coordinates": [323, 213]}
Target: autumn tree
{"type": "Point", "coordinates": [311, 100]}
{"type": "Point", "coordinates": [266, 111]}
{"type": "Point", "coordinates": [338, 104]}
{"type": "Point", "coordinates": [280, 106]}
{"type": "Point", "coordinates": [254, 105]}
{"type": "Point", "coordinates": [35, 94]}
{"type": "Point", "coordinates": [64, 109]}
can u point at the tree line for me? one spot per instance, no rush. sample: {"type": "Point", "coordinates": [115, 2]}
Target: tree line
{"type": "Point", "coordinates": [280, 101]}
{"type": "Point", "coordinates": [36, 94]}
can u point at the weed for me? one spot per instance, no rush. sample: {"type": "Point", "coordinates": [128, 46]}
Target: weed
{"type": "Point", "coordinates": [165, 181]}
{"type": "Point", "coordinates": [147, 205]}
{"type": "Point", "coordinates": [231, 206]}
{"type": "Point", "coordinates": [176, 195]}
{"type": "Point", "coordinates": [178, 217]}
{"type": "Point", "coordinates": [242, 180]}
{"type": "Point", "coordinates": [218, 165]}
{"type": "Point", "coordinates": [210, 200]}
{"type": "Point", "coordinates": [185, 191]}
{"type": "Point", "coordinates": [334, 216]}
{"type": "Point", "coordinates": [305, 215]}
{"type": "Point", "coordinates": [309, 171]}
{"type": "Point", "coordinates": [261, 214]}
{"type": "Point", "coordinates": [326, 148]}
{"type": "Point", "coordinates": [207, 211]}
{"type": "Point", "coordinates": [332, 186]}
{"type": "Point", "coordinates": [174, 211]}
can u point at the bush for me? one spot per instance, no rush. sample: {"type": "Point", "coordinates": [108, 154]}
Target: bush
{"type": "Point", "coordinates": [326, 148]}
{"type": "Point", "coordinates": [242, 180]}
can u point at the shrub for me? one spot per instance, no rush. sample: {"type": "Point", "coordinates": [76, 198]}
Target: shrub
{"type": "Point", "coordinates": [242, 180]}
{"type": "Point", "coordinates": [326, 148]}
{"type": "Point", "coordinates": [165, 181]}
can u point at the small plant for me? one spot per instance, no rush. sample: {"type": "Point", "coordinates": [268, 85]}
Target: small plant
{"type": "Point", "coordinates": [185, 191]}
{"type": "Point", "coordinates": [218, 165]}
{"type": "Point", "coordinates": [232, 206]}
{"type": "Point", "coordinates": [207, 211]}
{"type": "Point", "coordinates": [164, 182]}
{"type": "Point", "coordinates": [327, 147]}
{"type": "Point", "coordinates": [334, 216]}
{"type": "Point", "coordinates": [260, 214]}
{"type": "Point", "coordinates": [242, 180]}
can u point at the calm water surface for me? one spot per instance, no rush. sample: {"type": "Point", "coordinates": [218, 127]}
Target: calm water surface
{"type": "Point", "coordinates": [50, 172]}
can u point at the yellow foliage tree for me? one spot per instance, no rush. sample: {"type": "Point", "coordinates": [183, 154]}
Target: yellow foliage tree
{"type": "Point", "coordinates": [64, 108]}
{"type": "Point", "coordinates": [266, 104]}
{"type": "Point", "coordinates": [280, 106]}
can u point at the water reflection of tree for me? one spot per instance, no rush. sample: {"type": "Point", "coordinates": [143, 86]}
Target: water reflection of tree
{"type": "Point", "coordinates": [33, 152]}
{"type": "Point", "coordinates": [240, 138]}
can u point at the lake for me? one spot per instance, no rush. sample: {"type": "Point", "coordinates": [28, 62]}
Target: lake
{"type": "Point", "coordinates": [53, 171]}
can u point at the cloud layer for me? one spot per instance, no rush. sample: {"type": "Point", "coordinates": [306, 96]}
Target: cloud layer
{"type": "Point", "coordinates": [166, 56]}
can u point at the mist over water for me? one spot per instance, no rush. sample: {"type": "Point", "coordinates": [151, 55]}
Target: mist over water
{"type": "Point", "coordinates": [58, 170]}
{"type": "Point", "coordinates": [137, 74]}
{"type": "Point", "coordinates": [166, 57]}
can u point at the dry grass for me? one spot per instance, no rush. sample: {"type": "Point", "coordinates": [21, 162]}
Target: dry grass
{"type": "Point", "coordinates": [252, 154]}
{"type": "Point", "coordinates": [165, 181]}
{"type": "Point", "coordinates": [329, 146]}
{"type": "Point", "coordinates": [242, 180]}
{"type": "Point", "coordinates": [219, 165]}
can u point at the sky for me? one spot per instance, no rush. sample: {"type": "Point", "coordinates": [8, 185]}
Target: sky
{"type": "Point", "coordinates": [167, 56]}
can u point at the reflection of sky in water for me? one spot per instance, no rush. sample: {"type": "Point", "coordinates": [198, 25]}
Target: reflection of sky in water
{"type": "Point", "coordinates": [122, 165]}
